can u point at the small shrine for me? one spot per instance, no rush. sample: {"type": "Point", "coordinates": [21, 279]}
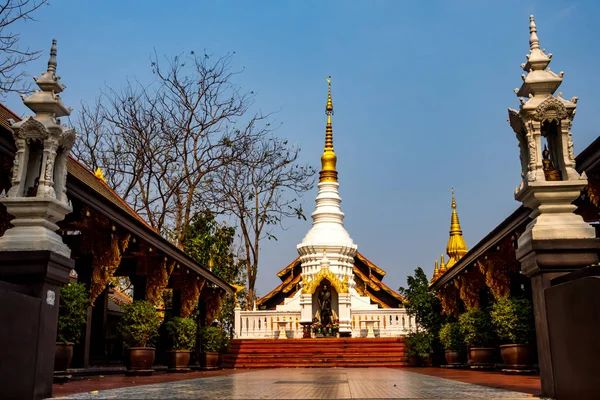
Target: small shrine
{"type": "Point", "coordinates": [38, 194]}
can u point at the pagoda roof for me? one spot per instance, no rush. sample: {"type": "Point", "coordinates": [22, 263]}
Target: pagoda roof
{"type": "Point", "coordinates": [368, 272]}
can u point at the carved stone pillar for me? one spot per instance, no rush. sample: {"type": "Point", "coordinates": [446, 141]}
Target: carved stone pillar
{"type": "Point", "coordinates": [556, 240]}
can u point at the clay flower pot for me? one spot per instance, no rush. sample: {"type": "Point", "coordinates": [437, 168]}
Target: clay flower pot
{"type": "Point", "coordinates": [210, 360]}
{"type": "Point", "coordinates": [63, 356]}
{"type": "Point", "coordinates": [140, 360]}
{"type": "Point", "coordinates": [482, 356]}
{"type": "Point", "coordinates": [178, 360]}
{"type": "Point", "coordinates": [517, 356]}
{"type": "Point", "coordinates": [454, 357]}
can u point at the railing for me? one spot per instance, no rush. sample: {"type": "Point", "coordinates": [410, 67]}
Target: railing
{"type": "Point", "coordinates": [386, 322]}
{"type": "Point", "coordinates": [266, 324]}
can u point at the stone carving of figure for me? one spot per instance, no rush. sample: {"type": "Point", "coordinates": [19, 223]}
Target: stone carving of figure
{"type": "Point", "coordinates": [325, 305]}
{"type": "Point", "coordinates": [550, 171]}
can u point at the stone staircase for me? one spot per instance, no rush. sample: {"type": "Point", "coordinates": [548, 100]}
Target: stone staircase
{"type": "Point", "coordinates": [293, 353]}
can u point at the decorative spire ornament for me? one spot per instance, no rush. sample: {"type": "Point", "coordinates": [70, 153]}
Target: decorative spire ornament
{"type": "Point", "coordinates": [38, 194]}
{"type": "Point", "coordinates": [456, 247]}
{"type": "Point", "coordinates": [443, 268]}
{"type": "Point", "coordinates": [328, 171]}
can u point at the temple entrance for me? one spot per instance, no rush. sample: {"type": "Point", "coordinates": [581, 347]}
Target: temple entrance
{"type": "Point", "coordinates": [325, 310]}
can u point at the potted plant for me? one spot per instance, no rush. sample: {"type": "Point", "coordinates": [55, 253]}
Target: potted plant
{"type": "Point", "coordinates": [72, 316]}
{"type": "Point", "coordinates": [514, 322]}
{"type": "Point", "coordinates": [453, 342]}
{"type": "Point", "coordinates": [212, 344]}
{"type": "Point", "coordinates": [138, 328]}
{"type": "Point", "coordinates": [182, 337]}
{"type": "Point", "coordinates": [419, 348]}
{"type": "Point", "coordinates": [476, 327]}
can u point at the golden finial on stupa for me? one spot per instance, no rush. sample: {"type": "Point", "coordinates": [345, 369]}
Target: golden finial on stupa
{"type": "Point", "coordinates": [99, 174]}
{"type": "Point", "coordinates": [457, 247]}
{"type": "Point", "coordinates": [442, 265]}
{"type": "Point", "coordinates": [211, 263]}
{"type": "Point", "coordinates": [436, 271]}
{"type": "Point", "coordinates": [328, 159]}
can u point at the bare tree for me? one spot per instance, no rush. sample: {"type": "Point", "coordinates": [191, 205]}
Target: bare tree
{"type": "Point", "coordinates": [12, 56]}
{"type": "Point", "coordinates": [260, 191]}
{"type": "Point", "coordinates": [158, 143]}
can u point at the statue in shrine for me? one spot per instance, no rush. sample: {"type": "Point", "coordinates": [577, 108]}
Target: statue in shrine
{"type": "Point", "coordinates": [550, 171]}
{"type": "Point", "coordinates": [325, 306]}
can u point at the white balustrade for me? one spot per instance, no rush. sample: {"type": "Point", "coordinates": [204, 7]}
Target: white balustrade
{"type": "Point", "coordinates": [389, 322]}
{"type": "Point", "coordinates": [265, 324]}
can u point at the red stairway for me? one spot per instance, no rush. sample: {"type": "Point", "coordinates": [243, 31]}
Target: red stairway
{"type": "Point", "coordinates": [292, 353]}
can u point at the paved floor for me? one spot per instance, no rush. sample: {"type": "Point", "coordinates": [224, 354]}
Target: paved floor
{"type": "Point", "coordinates": [334, 383]}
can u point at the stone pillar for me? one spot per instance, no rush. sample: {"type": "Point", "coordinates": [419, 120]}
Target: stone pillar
{"type": "Point", "coordinates": [542, 261]}
{"type": "Point", "coordinates": [344, 303]}
{"type": "Point", "coordinates": [29, 296]}
{"type": "Point", "coordinates": [34, 261]}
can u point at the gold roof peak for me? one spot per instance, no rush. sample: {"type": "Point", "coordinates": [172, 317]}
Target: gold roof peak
{"type": "Point", "coordinates": [442, 265]}
{"type": "Point", "coordinates": [457, 247]}
{"type": "Point", "coordinates": [328, 159]}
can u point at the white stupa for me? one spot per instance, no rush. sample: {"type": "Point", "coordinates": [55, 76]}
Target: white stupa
{"type": "Point", "coordinates": [327, 251]}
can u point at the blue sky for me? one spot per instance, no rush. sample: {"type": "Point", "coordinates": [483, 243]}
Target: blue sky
{"type": "Point", "coordinates": [420, 91]}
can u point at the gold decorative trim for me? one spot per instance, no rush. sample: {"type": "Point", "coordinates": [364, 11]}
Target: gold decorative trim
{"type": "Point", "coordinates": [325, 273]}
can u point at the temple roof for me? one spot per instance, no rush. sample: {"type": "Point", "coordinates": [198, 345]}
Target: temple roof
{"type": "Point", "coordinates": [364, 270]}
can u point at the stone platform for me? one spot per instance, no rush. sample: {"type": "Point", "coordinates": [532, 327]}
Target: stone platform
{"type": "Point", "coordinates": [325, 352]}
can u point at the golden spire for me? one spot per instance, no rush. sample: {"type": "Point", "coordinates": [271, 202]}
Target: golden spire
{"type": "Point", "coordinates": [457, 247]}
{"type": "Point", "coordinates": [442, 265]}
{"type": "Point", "coordinates": [328, 159]}
{"type": "Point", "coordinates": [436, 271]}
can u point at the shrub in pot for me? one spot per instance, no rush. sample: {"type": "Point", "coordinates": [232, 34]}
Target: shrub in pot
{"type": "Point", "coordinates": [182, 337]}
{"type": "Point", "coordinates": [213, 341]}
{"type": "Point", "coordinates": [138, 327]}
{"type": "Point", "coordinates": [419, 348]}
{"type": "Point", "coordinates": [453, 341]}
{"type": "Point", "coordinates": [72, 316]}
{"type": "Point", "coordinates": [514, 322]}
{"type": "Point", "coordinates": [476, 327]}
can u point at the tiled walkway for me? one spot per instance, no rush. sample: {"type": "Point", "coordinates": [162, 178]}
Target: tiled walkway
{"type": "Point", "coordinates": [334, 383]}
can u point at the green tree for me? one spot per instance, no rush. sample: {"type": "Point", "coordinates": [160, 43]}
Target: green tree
{"type": "Point", "coordinates": [425, 307]}
{"type": "Point", "coordinates": [207, 240]}
{"type": "Point", "coordinates": [422, 303]}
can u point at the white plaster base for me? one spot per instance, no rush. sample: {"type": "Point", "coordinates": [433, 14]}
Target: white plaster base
{"type": "Point", "coordinates": [34, 225]}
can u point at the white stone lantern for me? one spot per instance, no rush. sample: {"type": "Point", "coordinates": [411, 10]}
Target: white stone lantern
{"type": "Point", "coordinates": [550, 182]}
{"type": "Point", "coordinates": [38, 195]}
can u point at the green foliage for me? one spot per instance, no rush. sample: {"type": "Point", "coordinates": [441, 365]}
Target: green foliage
{"type": "Point", "coordinates": [139, 324]}
{"type": "Point", "coordinates": [213, 339]}
{"type": "Point", "coordinates": [72, 312]}
{"type": "Point", "coordinates": [451, 336]}
{"type": "Point", "coordinates": [476, 327]}
{"type": "Point", "coordinates": [514, 320]}
{"type": "Point", "coordinates": [182, 333]}
{"type": "Point", "coordinates": [419, 344]}
{"type": "Point", "coordinates": [208, 238]}
{"type": "Point", "coordinates": [422, 303]}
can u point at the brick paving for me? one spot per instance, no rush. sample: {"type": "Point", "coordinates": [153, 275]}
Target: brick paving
{"type": "Point", "coordinates": [301, 383]}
